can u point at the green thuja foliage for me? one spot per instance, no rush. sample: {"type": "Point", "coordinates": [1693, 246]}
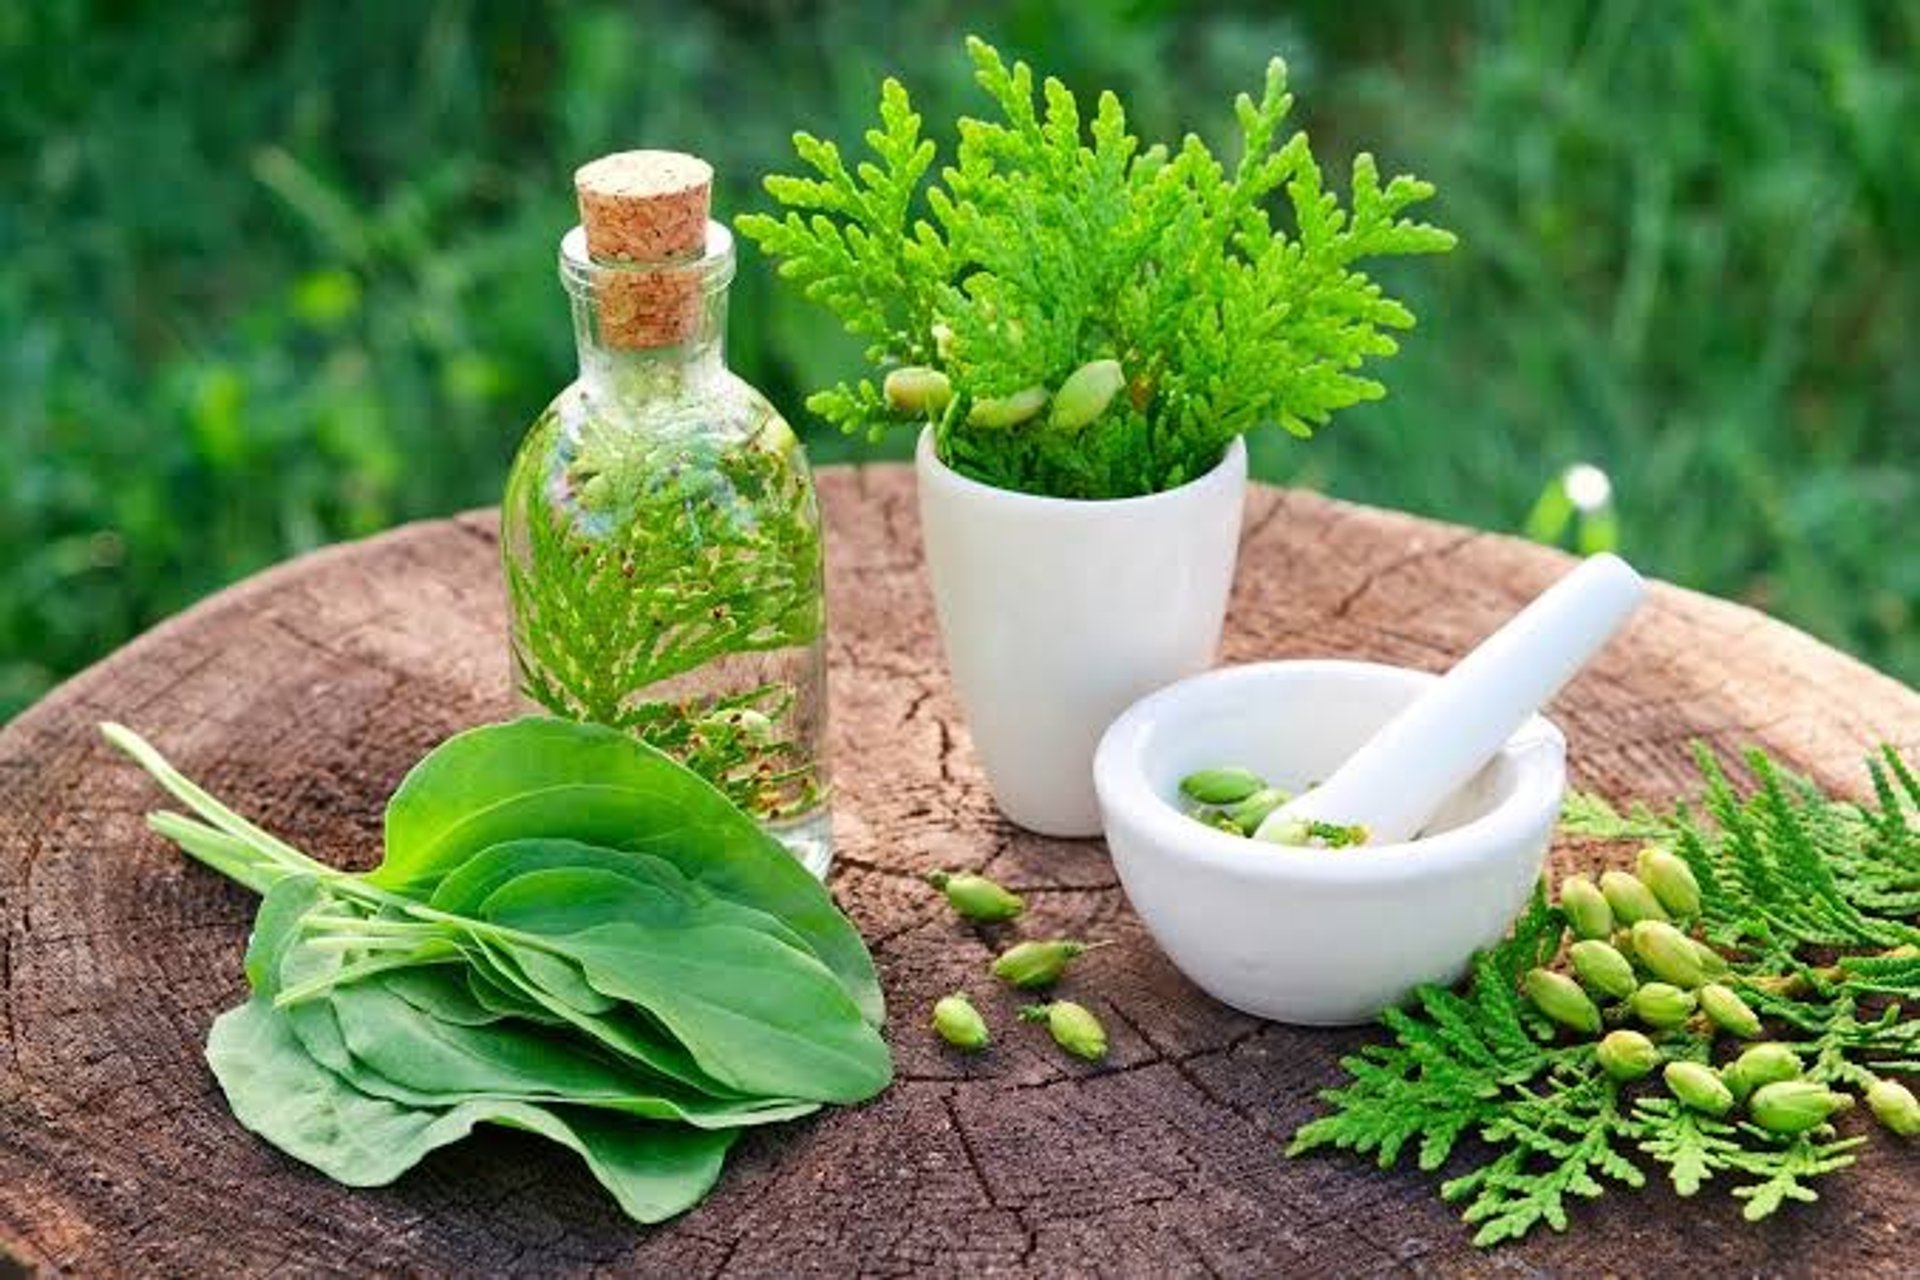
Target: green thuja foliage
{"type": "Point", "coordinates": [1053, 242]}
{"type": "Point", "coordinates": [1694, 1147]}
{"type": "Point", "coordinates": [1810, 900]}
{"type": "Point", "coordinates": [647, 558]}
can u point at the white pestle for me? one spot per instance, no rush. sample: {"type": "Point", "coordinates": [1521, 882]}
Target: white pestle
{"type": "Point", "coordinates": [1397, 781]}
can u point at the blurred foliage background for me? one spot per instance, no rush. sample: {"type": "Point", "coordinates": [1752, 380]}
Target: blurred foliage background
{"type": "Point", "coordinates": [277, 274]}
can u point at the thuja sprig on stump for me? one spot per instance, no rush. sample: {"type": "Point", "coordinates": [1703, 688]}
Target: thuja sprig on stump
{"type": "Point", "coordinates": [1781, 913]}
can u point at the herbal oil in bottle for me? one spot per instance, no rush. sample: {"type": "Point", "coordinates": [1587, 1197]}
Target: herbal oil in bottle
{"type": "Point", "coordinates": [660, 532]}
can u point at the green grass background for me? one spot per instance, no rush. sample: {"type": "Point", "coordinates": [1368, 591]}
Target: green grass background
{"type": "Point", "coordinates": [277, 274]}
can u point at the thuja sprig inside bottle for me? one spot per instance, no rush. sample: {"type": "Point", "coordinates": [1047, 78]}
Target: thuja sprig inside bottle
{"type": "Point", "coordinates": [660, 533]}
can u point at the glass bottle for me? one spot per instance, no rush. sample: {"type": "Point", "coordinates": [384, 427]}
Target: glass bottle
{"type": "Point", "coordinates": [660, 532]}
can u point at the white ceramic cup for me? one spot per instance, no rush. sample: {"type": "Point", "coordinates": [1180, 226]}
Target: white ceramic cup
{"type": "Point", "coordinates": [1056, 614]}
{"type": "Point", "coordinates": [1306, 935]}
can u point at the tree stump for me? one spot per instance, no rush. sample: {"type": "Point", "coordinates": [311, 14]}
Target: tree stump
{"type": "Point", "coordinates": [302, 695]}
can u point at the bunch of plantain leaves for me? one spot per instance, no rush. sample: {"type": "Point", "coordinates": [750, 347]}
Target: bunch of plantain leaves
{"type": "Point", "coordinates": [569, 934]}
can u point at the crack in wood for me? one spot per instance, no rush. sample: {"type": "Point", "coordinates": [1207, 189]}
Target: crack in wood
{"type": "Point", "coordinates": [1277, 504]}
{"type": "Point", "coordinates": [1418, 554]}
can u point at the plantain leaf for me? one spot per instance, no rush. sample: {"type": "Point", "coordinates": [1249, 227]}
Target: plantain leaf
{"type": "Point", "coordinates": [637, 1000]}
{"type": "Point", "coordinates": [555, 779]}
{"type": "Point", "coordinates": [758, 1016]}
{"type": "Point", "coordinates": [275, 1089]}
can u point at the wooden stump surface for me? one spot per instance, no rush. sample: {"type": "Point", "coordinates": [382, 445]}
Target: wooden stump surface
{"type": "Point", "coordinates": [302, 696]}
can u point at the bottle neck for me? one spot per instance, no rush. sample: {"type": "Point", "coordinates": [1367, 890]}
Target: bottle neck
{"type": "Point", "coordinates": [647, 330]}
{"type": "Point", "coordinates": [612, 371]}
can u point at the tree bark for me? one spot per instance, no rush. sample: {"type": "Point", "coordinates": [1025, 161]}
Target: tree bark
{"type": "Point", "coordinates": [302, 695]}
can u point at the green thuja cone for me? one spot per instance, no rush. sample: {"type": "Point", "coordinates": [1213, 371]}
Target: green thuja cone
{"type": "Point", "coordinates": [1586, 908]}
{"type": "Point", "coordinates": [1560, 998]}
{"type": "Point", "coordinates": [1074, 1028]}
{"type": "Point", "coordinates": [1671, 880]}
{"type": "Point", "coordinates": [1039, 964]}
{"type": "Point", "coordinates": [1728, 1011]}
{"type": "Point", "coordinates": [1630, 899]}
{"type": "Point", "coordinates": [976, 897]}
{"type": "Point", "coordinates": [1228, 784]}
{"type": "Point", "coordinates": [1627, 1055]}
{"type": "Point", "coordinates": [1698, 1086]}
{"type": "Point", "coordinates": [1894, 1106]}
{"type": "Point", "coordinates": [1794, 1106]}
{"type": "Point", "coordinates": [1667, 953]}
{"type": "Point", "coordinates": [959, 1023]}
{"type": "Point", "coordinates": [1602, 969]}
{"type": "Point", "coordinates": [1661, 1005]}
{"type": "Point", "coordinates": [1761, 1064]}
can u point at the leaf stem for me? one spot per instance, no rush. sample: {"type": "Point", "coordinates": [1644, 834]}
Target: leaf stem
{"type": "Point", "coordinates": [313, 990]}
{"type": "Point", "coordinates": [216, 814]}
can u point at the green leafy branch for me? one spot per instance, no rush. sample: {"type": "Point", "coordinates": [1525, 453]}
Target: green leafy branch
{"type": "Point", "coordinates": [1808, 898]}
{"type": "Point", "coordinates": [1694, 1147]}
{"type": "Point", "coordinates": [1053, 243]}
{"type": "Point", "coordinates": [855, 254]}
{"type": "Point", "coordinates": [1765, 875]}
{"type": "Point", "coordinates": [1554, 1143]}
{"type": "Point", "coordinates": [638, 563]}
{"type": "Point", "coordinates": [1453, 1061]}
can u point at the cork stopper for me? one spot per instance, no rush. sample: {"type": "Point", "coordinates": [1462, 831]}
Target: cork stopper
{"type": "Point", "coordinates": [643, 209]}
{"type": "Point", "coordinates": [641, 206]}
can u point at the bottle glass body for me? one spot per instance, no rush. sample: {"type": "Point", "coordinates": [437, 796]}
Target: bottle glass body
{"type": "Point", "coordinates": [663, 552]}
